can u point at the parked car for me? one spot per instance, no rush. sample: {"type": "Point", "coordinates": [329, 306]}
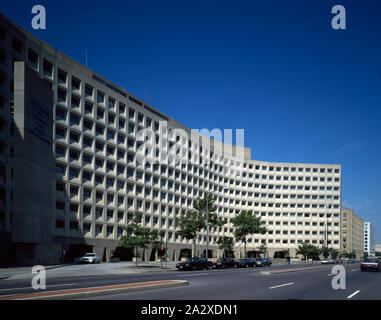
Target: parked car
{"type": "Point", "coordinates": [195, 264]}
{"type": "Point", "coordinates": [246, 263]}
{"type": "Point", "coordinates": [370, 264]}
{"type": "Point", "coordinates": [223, 263]}
{"type": "Point", "coordinates": [328, 261]}
{"type": "Point", "coordinates": [263, 262]}
{"type": "Point", "coordinates": [90, 258]}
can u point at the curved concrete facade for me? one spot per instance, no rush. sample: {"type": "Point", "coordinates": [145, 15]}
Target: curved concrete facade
{"type": "Point", "coordinates": [100, 181]}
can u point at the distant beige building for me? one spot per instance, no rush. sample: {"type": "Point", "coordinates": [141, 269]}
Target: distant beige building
{"type": "Point", "coordinates": [352, 232]}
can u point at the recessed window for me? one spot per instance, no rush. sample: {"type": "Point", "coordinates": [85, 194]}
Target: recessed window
{"type": "Point", "coordinates": [62, 76]}
{"type": "Point", "coordinates": [75, 84]}
{"type": "Point", "coordinates": [48, 67]}
{"type": "Point", "coordinates": [32, 57]}
{"type": "Point", "coordinates": [100, 97]}
{"type": "Point", "coordinates": [17, 44]}
{"type": "Point", "coordinates": [88, 91]}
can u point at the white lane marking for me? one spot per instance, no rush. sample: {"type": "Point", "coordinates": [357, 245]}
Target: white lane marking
{"type": "Point", "coordinates": [282, 285]}
{"type": "Point", "coordinates": [354, 270]}
{"type": "Point", "coordinates": [58, 285]}
{"type": "Point", "coordinates": [353, 294]}
{"type": "Point", "coordinates": [194, 274]}
{"type": "Point", "coordinates": [331, 274]}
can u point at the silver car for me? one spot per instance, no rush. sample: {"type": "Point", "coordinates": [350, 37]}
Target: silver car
{"type": "Point", "coordinates": [90, 258]}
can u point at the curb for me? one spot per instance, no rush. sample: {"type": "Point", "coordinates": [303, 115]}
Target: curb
{"type": "Point", "coordinates": [96, 291]}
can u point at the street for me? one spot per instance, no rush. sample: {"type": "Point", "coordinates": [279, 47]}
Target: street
{"type": "Point", "coordinates": [282, 282]}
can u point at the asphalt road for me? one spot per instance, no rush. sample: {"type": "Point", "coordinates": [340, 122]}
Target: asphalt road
{"type": "Point", "coordinates": [229, 284]}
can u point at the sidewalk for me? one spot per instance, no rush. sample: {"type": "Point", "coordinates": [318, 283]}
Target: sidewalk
{"type": "Point", "coordinates": [69, 270]}
{"type": "Point", "coordinates": [9, 272]}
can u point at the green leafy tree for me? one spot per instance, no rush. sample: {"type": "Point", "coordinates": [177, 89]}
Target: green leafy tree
{"type": "Point", "coordinates": [308, 251]}
{"type": "Point", "coordinates": [226, 244]}
{"type": "Point", "coordinates": [190, 225]}
{"type": "Point", "coordinates": [201, 204]}
{"type": "Point", "coordinates": [303, 249]}
{"type": "Point", "coordinates": [195, 220]}
{"type": "Point", "coordinates": [314, 252]}
{"type": "Point", "coordinates": [263, 249]}
{"type": "Point", "coordinates": [137, 235]}
{"type": "Point", "coordinates": [334, 253]}
{"type": "Point", "coordinates": [286, 253]}
{"type": "Point", "coordinates": [246, 224]}
{"type": "Point", "coordinates": [325, 252]}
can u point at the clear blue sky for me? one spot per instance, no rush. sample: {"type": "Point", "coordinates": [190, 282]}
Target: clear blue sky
{"type": "Point", "coordinates": [302, 91]}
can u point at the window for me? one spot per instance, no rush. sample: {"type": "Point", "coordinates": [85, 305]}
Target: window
{"type": "Point", "coordinates": [100, 113]}
{"type": "Point", "coordinates": [61, 96]}
{"type": "Point", "coordinates": [99, 146]}
{"type": "Point", "coordinates": [48, 67]}
{"type": "Point", "coordinates": [75, 102]}
{"type": "Point", "coordinates": [17, 44]}
{"type": "Point", "coordinates": [87, 124]}
{"type": "Point", "coordinates": [32, 57]}
{"type": "Point", "coordinates": [111, 102]}
{"type": "Point", "coordinates": [88, 91]}
{"type": "Point", "coordinates": [87, 141]}
{"type": "Point", "coordinates": [100, 97]}
{"type": "Point", "coordinates": [74, 137]}
{"type": "Point", "coordinates": [122, 107]}
{"type": "Point", "coordinates": [61, 76]}
{"type": "Point", "coordinates": [87, 159]}
{"type": "Point", "coordinates": [99, 130]}
{"type": "Point", "coordinates": [60, 114]}
{"type": "Point", "coordinates": [60, 150]}
{"type": "Point", "coordinates": [60, 169]}
{"type": "Point", "coordinates": [75, 83]}
{"type": "Point", "coordinates": [88, 108]}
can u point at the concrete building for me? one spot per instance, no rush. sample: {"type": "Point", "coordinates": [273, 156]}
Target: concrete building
{"type": "Point", "coordinates": [73, 170]}
{"type": "Point", "coordinates": [378, 249]}
{"type": "Point", "coordinates": [369, 239]}
{"type": "Point", "coordinates": [352, 233]}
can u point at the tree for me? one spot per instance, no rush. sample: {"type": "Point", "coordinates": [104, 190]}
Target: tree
{"type": "Point", "coordinates": [195, 220]}
{"type": "Point", "coordinates": [263, 249]}
{"type": "Point", "coordinates": [286, 253]}
{"type": "Point", "coordinates": [226, 244]}
{"type": "Point", "coordinates": [137, 235]}
{"type": "Point", "coordinates": [308, 251]}
{"type": "Point", "coordinates": [246, 223]}
{"type": "Point", "coordinates": [303, 249]}
{"type": "Point", "coordinates": [190, 225]}
{"type": "Point", "coordinates": [334, 253]}
{"type": "Point", "coordinates": [200, 206]}
{"type": "Point", "coordinates": [325, 252]}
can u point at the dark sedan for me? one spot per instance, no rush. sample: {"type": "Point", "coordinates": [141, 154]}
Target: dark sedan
{"type": "Point", "coordinates": [246, 263]}
{"type": "Point", "coordinates": [370, 264]}
{"type": "Point", "coordinates": [226, 263]}
{"type": "Point", "coordinates": [195, 264]}
{"type": "Point", "coordinates": [263, 262]}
